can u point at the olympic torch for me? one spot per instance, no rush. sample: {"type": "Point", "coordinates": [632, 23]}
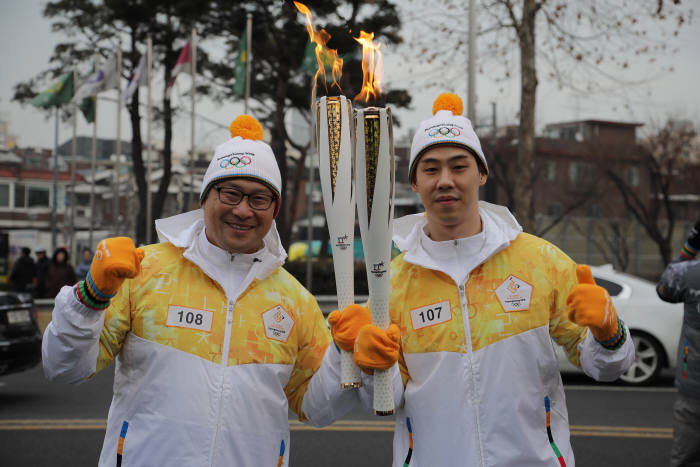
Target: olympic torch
{"type": "Point", "coordinates": [374, 188]}
{"type": "Point", "coordinates": [335, 150]}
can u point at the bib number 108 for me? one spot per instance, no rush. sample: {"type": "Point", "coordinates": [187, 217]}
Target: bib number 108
{"type": "Point", "coordinates": [190, 317]}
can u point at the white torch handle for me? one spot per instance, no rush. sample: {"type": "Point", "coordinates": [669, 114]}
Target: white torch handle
{"type": "Point", "coordinates": [335, 143]}
{"type": "Point", "coordinates": [349, 372]}
{"type": "Point", "coordinates": [375, 218]}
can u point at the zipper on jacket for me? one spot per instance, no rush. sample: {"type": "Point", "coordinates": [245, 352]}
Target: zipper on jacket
{"type": "Point", "coordinates": [470, 356]}
{"type": "Point", "coordinates": [224, 362]}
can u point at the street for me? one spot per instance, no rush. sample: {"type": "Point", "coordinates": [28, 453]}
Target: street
{"type": "Point", "coordinates": [44, 424]}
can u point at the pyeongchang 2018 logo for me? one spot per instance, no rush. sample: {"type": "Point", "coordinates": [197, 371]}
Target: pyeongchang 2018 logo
{"type": "Point", "coordinates": [378, 269]}
{"type": "Point", "coordinates": [444, 131]}
{"type": "Point", "coordinates": [343, 242]}
{"type": "Point", "coordinates": [236, 160]}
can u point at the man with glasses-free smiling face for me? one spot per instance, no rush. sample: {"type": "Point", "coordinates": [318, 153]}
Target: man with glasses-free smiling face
{"type": "Point", "coordinates": [213, 340]}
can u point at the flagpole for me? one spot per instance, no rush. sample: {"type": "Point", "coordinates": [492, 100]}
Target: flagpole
{"type": "Point", "coordinates": [55, 181]}
{"type": "Point", "coordinates": [248, 57]}
{"type": "Point", "coordinates": [74, 150]}
{"type": "Point", "coordinates": [193, 69]}
{"type": "Point", "coordinates": [148, 148]}
{"type": "Point", "coordinates": [93, 163]}
{"type": "Point", "coordinates": [117, 163]}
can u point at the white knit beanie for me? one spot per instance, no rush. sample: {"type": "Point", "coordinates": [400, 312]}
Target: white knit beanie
{"type": "Point", "coordinates": [245, 155]}
{"type": "Point", "coordinates": [446, 127]}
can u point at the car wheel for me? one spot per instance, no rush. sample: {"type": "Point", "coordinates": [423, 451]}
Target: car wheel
{"type": "Point", "coordinates": [648, 360]}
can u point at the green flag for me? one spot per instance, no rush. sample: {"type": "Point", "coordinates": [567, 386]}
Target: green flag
{"type": "Point", "coordinates": [310, 64]}
{"type": "Point", "coordinates": [239, 68]}
{"type": "Point", "coordinates": [87, 107]}
{"type": "Point", "coordinates": [61, 92]}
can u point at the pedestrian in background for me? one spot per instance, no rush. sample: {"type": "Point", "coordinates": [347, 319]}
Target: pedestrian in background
{"type": "Point", "coordinates": [59, 273]}
{"type": "Point", "coordinates": [42, 269]}
{"type": "Point", "coordinates": [84, 267]}
{"type": "Point", "coordinates": [680, 282]}
{"type": "Point", "coordinates": [23, 274]}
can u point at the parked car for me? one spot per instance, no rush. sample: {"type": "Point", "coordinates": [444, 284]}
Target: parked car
{"type": "Point", "coordinates": [20, 338]}
{"type": "Point", "coordinates": [655, 325]}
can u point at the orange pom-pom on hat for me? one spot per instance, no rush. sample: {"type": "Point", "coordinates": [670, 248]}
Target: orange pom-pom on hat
{"type": "Point", "coordinates": [246, 127]}
{"type": "Point", "coordinates": [448, 101]}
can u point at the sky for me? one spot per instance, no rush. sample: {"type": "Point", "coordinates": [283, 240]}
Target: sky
{"type": "Point", "coordinates": [28, 43]}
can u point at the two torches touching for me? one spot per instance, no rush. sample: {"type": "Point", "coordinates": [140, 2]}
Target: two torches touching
{"type": "Point", "coordinates": [356, 163]}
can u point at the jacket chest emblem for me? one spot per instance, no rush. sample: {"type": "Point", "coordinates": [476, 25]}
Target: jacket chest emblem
{"type": "Point", "coordinates": [514, 294]}
{"type": "Point", "coordinates": [278, 323]}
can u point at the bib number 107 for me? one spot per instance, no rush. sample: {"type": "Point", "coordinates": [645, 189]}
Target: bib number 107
{"type": "Point", "coordinates": [430, 315]}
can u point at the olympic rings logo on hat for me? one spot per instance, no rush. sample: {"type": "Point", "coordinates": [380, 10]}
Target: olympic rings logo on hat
{"type": "Point", "coordinates": [444, 131]}
{"type": "Point", "coordinates": [235, 162]}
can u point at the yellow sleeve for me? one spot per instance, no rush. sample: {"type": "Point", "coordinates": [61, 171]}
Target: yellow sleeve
{"type": "Point", "coordinates": [117, 325]}
{"type": "Point", "coordinates": [314, 339]}
{"type": "Point", "coordinates": [564, 331]}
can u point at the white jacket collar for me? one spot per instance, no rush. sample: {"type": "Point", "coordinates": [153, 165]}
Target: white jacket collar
{"type": "Point", "coordinates": [499, 227]}
{"type": "Point", "coordinates": [184, 231]}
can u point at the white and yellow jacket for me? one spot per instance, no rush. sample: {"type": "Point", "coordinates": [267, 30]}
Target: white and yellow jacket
{"type": "Point", "coordinates": [481, 384]}
{"type": "Point", "coordinates": [206, 366]}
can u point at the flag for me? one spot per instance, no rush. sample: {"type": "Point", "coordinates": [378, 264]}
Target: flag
{"type": "Point", "coordinates": [181, 66]}
{"type": "Point", "coordinates": [310, 63]}
{"type": "Point", "coordinates": [59, 93]}
{"type": "Point", "coordinates": [239, 68]}
{"type": "Point", "coordinates": [138, 78]}
{"type": "Point", "coordinates": [87, 107]}
{"type": "Point", "coordinates": [106, 77]}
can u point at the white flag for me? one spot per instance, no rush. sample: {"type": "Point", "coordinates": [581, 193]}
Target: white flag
{"type": "Point", "coordinates": [106, 77]}
{"type": "Point", "coordinates": [138, 78]}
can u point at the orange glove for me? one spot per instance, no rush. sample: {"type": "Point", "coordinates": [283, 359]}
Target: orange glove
{"type": "Point", "coordinates": [590, 305]}
{"type": "Point", "coordinates": [346, 324]}
{"type": "Point", "coordinates": [375, 348]}
{"type": "Point", "coordinates": [115, 260]}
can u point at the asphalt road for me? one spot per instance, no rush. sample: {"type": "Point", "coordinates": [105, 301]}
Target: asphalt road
{"type": "Point", "coordinates": [44, 424]}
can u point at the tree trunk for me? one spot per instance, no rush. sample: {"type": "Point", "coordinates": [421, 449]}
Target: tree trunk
{"type": "Point", "coordinates": [137, 155]}
{"type": "Point", "coordinates": [279, 148]}
{"type": "Point", "coordinates": [525, 184]}
{"type": "Point", "coordinates": [162, 193]}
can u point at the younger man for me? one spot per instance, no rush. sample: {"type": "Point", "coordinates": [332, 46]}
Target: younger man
{"type": "Point", "coordinates": [477, 303]}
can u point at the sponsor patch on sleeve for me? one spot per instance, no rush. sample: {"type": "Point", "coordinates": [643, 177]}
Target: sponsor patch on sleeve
{"type": "Point", "coordinates": [431, 315]}
{"type": "Point", "coordinates": [514, 294]}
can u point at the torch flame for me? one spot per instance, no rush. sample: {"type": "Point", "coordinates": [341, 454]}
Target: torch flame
{"type": "Point", "coordinates": [325, 57]}
{"type": "Point", "coordinates": [372, 67]}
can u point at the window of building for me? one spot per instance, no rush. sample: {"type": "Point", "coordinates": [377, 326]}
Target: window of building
{"type": "Point", "coordinates": [578, 172]}
{"type": "Point", "coordinates": [37, 197]}
{"type": "Point", "coordinates": [633, 176]}
{"type": "Point", "coordinates": [550, 170]}
{"type": "Point", "coordinates": [554, 209]}
{"type": "Point", "coordinates": [19, 195]}
{"type": "Point", "coordinates": [4, 196]}
{"type": "Point", "coordinates": [594, 210]}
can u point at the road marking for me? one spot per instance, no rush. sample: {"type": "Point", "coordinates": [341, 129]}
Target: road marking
{"type": "Point", "coordinates": [583, 387]}
{"type": "Point", "coordinates": [342, 425]}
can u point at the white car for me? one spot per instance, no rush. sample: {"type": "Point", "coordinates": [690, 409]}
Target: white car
{"type": "Point", "coordinates": [655, 325]}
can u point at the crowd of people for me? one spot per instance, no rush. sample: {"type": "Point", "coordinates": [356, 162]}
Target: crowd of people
{"type": "Point", "coordinates": [43, 277]}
